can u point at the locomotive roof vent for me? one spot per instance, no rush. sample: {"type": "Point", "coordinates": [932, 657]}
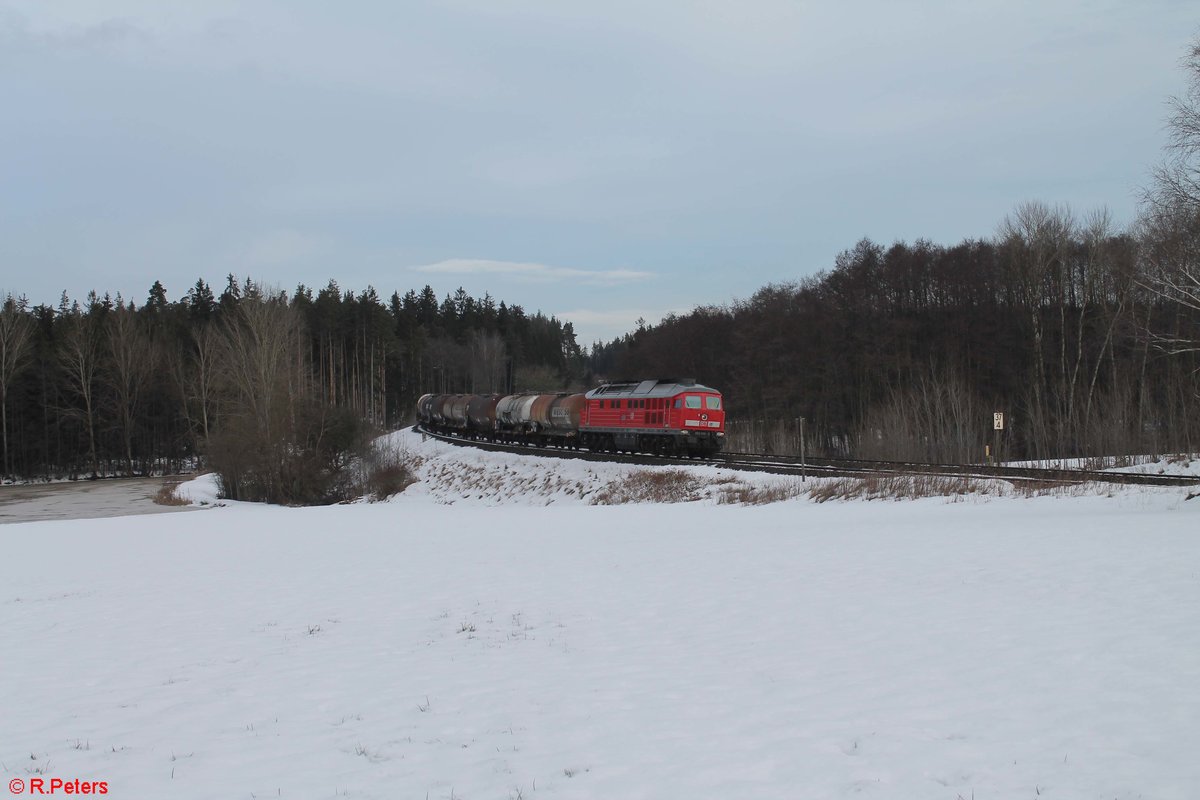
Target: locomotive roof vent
{"type": "Point", "coordinates": [616, 386]}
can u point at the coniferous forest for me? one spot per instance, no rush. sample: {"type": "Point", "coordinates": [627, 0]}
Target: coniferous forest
{"type": "Point", "coordinates": [106, 386]}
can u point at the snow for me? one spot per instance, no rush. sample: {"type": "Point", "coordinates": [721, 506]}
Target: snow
{"type": "Point", "coordinates": [1177, 464]}
{"type": "Point", "coordinates": [1182, 464]}
{"type": "Point", "coordinates": [468, 476]}
{"type": "Point", "coordinates": [525, 643]}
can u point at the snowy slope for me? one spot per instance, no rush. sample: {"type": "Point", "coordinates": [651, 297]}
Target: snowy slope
{"type": "Point", "coordinates": [454, 474]}
{"type": "Point", "coordinates": [1003, 648]}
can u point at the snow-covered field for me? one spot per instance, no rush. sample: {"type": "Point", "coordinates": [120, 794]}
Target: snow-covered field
{"type": "Point", "coordinates": [495, 646]}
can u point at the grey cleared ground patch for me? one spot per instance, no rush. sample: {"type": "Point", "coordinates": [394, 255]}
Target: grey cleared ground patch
{"type": "Point", "coordinates": [110, 497]}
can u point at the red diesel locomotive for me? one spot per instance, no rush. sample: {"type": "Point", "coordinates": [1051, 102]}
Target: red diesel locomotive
{"type": "Point", "coordinates": [667, 416]}
{"type": "Point", "coordinates": [654, 416]}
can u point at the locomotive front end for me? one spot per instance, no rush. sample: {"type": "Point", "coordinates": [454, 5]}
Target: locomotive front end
{"type": "Point", "coordinates": [701, 418]}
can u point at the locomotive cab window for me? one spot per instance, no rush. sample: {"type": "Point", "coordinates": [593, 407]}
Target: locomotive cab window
{"type": "Point", "coordinates": [678, 403]}
{"type": "Point", "coordinates": [693, 401]}
{"type": "Point", "coordinates": [714, 403]}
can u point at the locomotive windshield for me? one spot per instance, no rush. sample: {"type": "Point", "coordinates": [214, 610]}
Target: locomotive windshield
{"type": "Point", "coordinates": [692, 400]}
{"type": "Point", "coordinates": [713, 403]}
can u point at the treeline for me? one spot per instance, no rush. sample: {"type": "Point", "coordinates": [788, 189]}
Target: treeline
{"type": "Point", "coordinates": [1067, 327]}
{"type": "Point", "coordinates": [104, 386]}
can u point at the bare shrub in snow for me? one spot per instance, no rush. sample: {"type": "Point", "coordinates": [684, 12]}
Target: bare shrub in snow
{"type": "Point", "coordinates": [167, 496]}
{"type": "Point", "coordinates": [378, 472]}
{"type": "Point", "coordinates": [388, 472]}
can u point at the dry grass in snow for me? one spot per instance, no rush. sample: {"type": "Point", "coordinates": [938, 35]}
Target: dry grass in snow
{"type": "Point", "coordinates": [168, 496]}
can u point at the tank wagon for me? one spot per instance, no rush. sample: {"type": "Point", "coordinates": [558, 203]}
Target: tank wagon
{"type": "Point", "coordinates": [671, 416]}
{"type": "Point", "coordinates": [481, 411]}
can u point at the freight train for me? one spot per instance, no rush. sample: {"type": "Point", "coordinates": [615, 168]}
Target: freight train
{"type": "Point", "coordinates": [668, 416]}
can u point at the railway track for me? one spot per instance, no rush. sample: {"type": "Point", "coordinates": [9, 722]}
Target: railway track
{"type": "Point", "coordinates": [837, 468]}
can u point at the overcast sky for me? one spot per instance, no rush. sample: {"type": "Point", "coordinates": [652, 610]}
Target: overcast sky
{"type": "Point", "coordinates": [601, 161]}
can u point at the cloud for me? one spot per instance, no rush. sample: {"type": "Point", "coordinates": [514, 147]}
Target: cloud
{"type": "Point", "coordinates": [533, 273]}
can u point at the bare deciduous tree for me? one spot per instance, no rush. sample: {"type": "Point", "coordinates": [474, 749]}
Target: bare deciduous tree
{"type": "Point", "coordinates": [263, 350]}
{"type": "Point", "coordinates": [936, 419]}
{"type": "Point", "coordinates": [1177, 180]}
{"type": "Point", "coordinates": [197, 377]}
{"type": "Point", "coordinates": [1038, 239]}
{"type": "Point", "coordinates": [1170, 224]}
{"type": "Point", "coordinates": [131, 361]}
{"type": "Point", "coordinates": [266, 424]}
{"type": "Point", "coordinates": [488, 357]}
{"type": "Point", "coordinates": [79, 356]}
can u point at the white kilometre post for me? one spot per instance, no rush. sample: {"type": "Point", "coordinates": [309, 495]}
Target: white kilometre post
{"type": "Point", "coordinates": [997, 426]}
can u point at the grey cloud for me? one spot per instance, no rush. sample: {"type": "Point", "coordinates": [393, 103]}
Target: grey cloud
{"type": "Point", "coordinates": [725, 145]}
